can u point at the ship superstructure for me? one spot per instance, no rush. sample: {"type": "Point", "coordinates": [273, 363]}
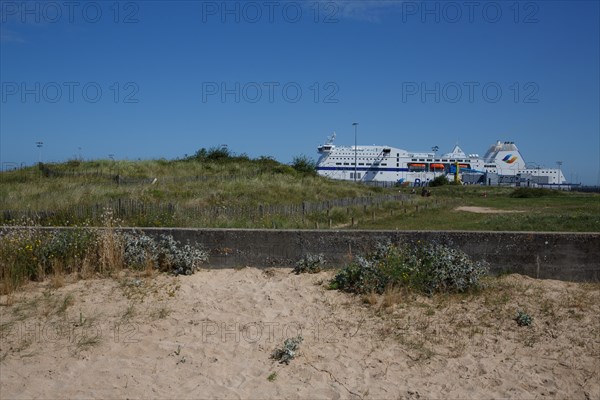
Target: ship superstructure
{"type": "Point", "coordinates": [501, 164]}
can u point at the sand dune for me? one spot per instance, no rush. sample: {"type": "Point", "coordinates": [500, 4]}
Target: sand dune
{"type": "Point", "coordinates": [210, 335]}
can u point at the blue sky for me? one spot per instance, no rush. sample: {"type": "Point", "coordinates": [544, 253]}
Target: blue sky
{"type": "Point", "coordinates": [152, 79]}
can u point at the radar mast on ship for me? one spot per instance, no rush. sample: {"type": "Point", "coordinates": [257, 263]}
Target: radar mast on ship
{"type": "Point", "coordinates": [331, 138]}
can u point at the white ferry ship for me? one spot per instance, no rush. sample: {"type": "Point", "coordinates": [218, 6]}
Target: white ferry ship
{"type": "Point", "coordinates": [502, 164]}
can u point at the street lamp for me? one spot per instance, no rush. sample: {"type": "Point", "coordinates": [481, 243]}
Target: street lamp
{"type": "Point", "coordinates": [355, 124]}
{"type": "Point", "coordinates": [39, 146]}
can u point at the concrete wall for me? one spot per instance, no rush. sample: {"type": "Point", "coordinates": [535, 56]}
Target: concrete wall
{"type": "Point", "coordinates": [565, 256]}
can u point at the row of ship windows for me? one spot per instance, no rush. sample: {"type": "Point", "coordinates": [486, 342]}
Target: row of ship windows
{"type": "Point", "coordinates": [358, 158]}
{"type": "Point", "coordinates": [348, 163]}
{"type": "Point", "coordinates": [339, 163]}
{"type": "Point", "coordinates": [439, 160]}
{"type": "Point", "coordinates": [374, 154]}
{"type": "Point", "coordinates": [413, 159]}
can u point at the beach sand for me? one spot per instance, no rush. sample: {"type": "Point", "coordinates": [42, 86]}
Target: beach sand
{"type": "Point", "coordinates": [210, 335]}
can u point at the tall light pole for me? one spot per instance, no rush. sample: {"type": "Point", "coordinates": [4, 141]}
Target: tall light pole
{"type": "Point", "coordinates": [434, 149]}
{"type": "Point", "coordinates": [355, 124]}
{"type": "Point", "coordinates": [39, 146]}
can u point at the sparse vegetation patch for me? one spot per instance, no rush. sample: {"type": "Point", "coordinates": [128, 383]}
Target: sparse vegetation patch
{"type": "Point", "coordinates": [523, 319]}
{"type": "Point", "coordinates": [287, 353]}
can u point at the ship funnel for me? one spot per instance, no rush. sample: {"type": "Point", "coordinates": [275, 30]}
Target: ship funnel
{"type": "Point", "coordinates": [505, 155]}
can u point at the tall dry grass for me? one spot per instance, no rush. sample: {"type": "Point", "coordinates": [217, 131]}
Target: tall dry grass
{"type": "Point", "coordinates": [32, 253]}
{"type": "Point", "coordinates": [35, 254]}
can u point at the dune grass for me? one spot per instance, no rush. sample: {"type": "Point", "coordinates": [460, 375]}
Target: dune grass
{"type": "Point", "coordinates": [178, 193]}
{"type": "Point", "coordinates": [234, 182]}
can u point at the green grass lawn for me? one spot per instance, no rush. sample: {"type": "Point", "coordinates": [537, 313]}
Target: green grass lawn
{"type": "Point", "coordinates": [557, 211]}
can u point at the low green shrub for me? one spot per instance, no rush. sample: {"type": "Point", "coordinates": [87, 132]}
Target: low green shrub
{"type": "Point", "coordinates": [70, 246]}
{"type": "Point", "coordinates": [165, 253]}
{"type": "Point", "coordinates": [523, 319]}
{"type": "Point", "coordinates": [310, 263]}
{"type": "Point", "coordinates": [180, 260]}
{"type": "Point", "coordinates": [439, 180]}
{"type": "Point", "coordinates": [526, 193]}
{"type": "Point", "coordinates": [139, 251]}
{"type": "Point", "coordinates": [360, 276]}
{"type": "Point", "coordinates": [426, 267]}
{"type": "Point", "coordinates": [285, 354]}
{"type": "Point", "coordinates": [304, 165]}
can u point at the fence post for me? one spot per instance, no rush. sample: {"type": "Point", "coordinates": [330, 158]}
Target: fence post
{"type": "Point", "coordinates": [303, 211]}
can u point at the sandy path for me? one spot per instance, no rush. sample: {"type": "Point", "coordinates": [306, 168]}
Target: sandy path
{"type": "Point", "coordinates": [210, 336]}
{"type": "Point", "coordinates": [485, 210]}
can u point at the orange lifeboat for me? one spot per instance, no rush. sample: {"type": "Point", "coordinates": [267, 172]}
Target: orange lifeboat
{"type": "Point", "coordinates": [416, 165]}
{"type": "Point", "coordinates": [437, 166]}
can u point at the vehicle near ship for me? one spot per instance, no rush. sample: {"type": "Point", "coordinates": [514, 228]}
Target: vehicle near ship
{"type": "Point", "coordinates": [502, 164]}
